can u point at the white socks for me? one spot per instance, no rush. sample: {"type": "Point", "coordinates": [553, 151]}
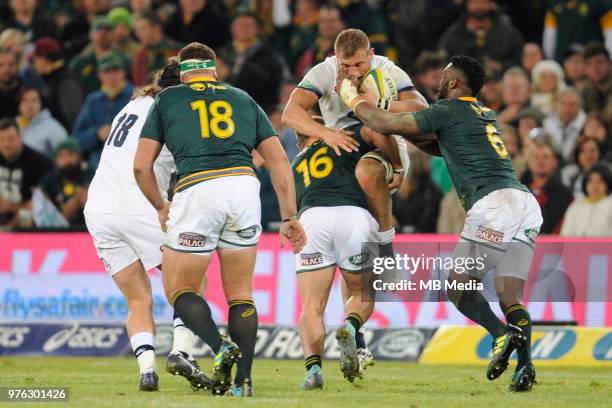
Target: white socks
{"type": "Point", "coordinates": [184, 339]}
{"type": "Point", "coordinates": [143, 344]}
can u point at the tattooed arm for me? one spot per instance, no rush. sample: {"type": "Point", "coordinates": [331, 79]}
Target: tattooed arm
{"type": "Point", "coordinates": [388, 123]}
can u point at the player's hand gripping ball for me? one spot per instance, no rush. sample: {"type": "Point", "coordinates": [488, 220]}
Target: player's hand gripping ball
{"type": "Point", "coordinates": [380, 84]}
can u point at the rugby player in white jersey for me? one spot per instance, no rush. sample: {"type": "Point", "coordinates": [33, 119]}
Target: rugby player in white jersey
{"type": "Point", "coordinates": [128, 237]}
{"type": "Point", "coordinates": [353, 59]}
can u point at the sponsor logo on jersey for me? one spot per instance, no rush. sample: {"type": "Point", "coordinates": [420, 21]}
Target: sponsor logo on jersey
{"type": "Point", "coordinates": [315, 258]}
{"type": "Point", "coordinates": [198, 86]}
{"type": "Point", "coordinates": [191, 239]}
{"type": "Point", "coordinates": [359, 259]}
{"type": "Point", "coordinates": [531, 234]}
{"type": "Point", "coordinates": [247, 232]}
{"type": "Point", "coordinates": [489, 234]}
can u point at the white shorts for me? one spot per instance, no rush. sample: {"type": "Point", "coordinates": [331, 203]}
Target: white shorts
{"type": "Point", "coordinates": [502, 224]}
{"type": "Point", "coordinates": [219, 213]}
{"type": "Point", "coordinates": [336, 236]}
{"type": "Point", "coordinates": [121, 240]}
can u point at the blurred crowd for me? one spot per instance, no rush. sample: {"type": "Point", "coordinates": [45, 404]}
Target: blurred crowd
{"type": "Point", "coordinates": [68, 67]}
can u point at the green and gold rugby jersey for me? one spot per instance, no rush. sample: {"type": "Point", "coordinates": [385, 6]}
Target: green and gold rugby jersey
{"type": "Point", "coordinates": [324, 179]}
{"type": "Point", "coordinates": [470, 143]}
{"type": "Point", "coordinates": [210, 128]}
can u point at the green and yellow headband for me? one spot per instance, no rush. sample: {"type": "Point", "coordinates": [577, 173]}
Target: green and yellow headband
{"type": "Point", "coordinates": [196, 64]}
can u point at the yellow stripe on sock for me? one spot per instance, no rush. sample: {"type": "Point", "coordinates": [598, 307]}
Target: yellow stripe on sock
{"type": "Point", "coordinates": [241, 302]}
{"type": "Point", "coordinates": [179, 293]}
{"type": "Point", "coordinates": [514, 308]}
{"type": "Point", "coordinates": [356, 317]}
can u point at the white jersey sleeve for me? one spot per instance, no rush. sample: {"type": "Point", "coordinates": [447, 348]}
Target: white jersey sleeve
{"type": "Point", "coordinates": [321, 80]}
{"type": "Point", "coordinates": [113, 189]}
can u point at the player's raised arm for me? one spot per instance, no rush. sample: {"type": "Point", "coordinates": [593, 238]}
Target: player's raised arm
{"type": "Point", "coordinates": [383, 122]}
{"type": "Point", "coordinates": [297, 116]}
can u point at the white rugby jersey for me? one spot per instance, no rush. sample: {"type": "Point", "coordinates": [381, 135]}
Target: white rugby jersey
{"type": "Point", "coordinates": [321, 80]}
{"type": "Point", "coordinates": [113, 189]}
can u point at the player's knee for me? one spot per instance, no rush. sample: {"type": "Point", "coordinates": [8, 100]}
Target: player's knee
{"type": "Point", "coordinates": [141, 304]}
{"type": "Point", "coordinates": [370, 174]}
{"type": "Point", "coordinates": [312, 311]}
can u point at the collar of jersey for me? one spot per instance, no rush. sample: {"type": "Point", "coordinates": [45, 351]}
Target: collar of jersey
{"type": "Point", "coordinates": [468, 98]}
{"type": "Point", "coordinates": [202, 79]}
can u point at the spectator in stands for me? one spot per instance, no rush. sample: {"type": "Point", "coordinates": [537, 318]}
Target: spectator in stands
{"type": "Point", "coordinates": [66, 186]}
{"type": "Point", "coordinates": [25, 16]}
{"type": "Point", "coordinates": [510, 137]}
{"type": "Point", "coordinates": [13, 39]}
{"type": "Point", "coordinates": [596, 128]}
{"type": "Point", "coordinates": [416, 204]}
{"type": "Point", "coordinates": [155, 48]}
{"type": "Point", "coordinates": [545, 184]}
{"type": "Point", "coordinates": [285, 134]}
{"type": "Point", "coordinates": [428, 70]}
{"type": "Point", "coordinates": [256, 67]}
{"type": "Point", "coordinates": [85, 64]}
{"type": "Point", "coordinates": [199, 20]}
{"type": "Point", "coordinates": [93, 125]}
{"type": "Point", "coordinates": [451, 218]}
{"type": "Point", "coordinates": [547, 80]}
{"type": "Point", "coordinates": [330, 24]}
{"type": "Point", "coordinates": [491, 93]}
{"type": "Point", "coordinates": [485, 34]}
{"type": "Point", "coordinates": [516, 94]}
{"type": "Point", "coordinates": [286, 88]}
{"type": "Point", "coordinates": [140, 6]}
{"type": "Point", "coordinates": [21, 168]}
{"type": "Point", "coordinates": [566, 122]}
{"type": "Point", "coordinates": [587, 153]}
{"type": "Point", "coordinates": [62, 90]}
{"type": "Point", "coordinates": [9, 84]}
{"type": "Point", "coordinates": [359, 14]}
{"type": "Point", "coordinates": [597, 89]}
{"type": "Point", "coordinates": [39, 130]}
{"type": "Point", "coordinates": [573, 65]}
{"type": "Point", "coordinates": [75, 35]}
{"type": "Point", "coordinates": [122, 19]}
{"type": "Point", "coordinates": [591, 216]}
{"type": "Point", "coordinates": [568, 22]}
{"type": "Point", "coordinates": [304, 29]}
{"type": "Point", "coordinates": [528, 120]}
{"type": "Point", "coordinates": [532, 54]}
{"type": "Point", "coordinates": [425, 20]}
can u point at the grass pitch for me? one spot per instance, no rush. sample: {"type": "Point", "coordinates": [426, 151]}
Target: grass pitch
{"type": "Point", "coordinates": [113, 382]}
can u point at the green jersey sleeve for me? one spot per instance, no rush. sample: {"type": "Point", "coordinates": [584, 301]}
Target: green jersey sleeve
{"type": "Point", "coordinates": [265, 129]}
{"type": "Point", "coordinates": [433, 118]}
{"type": "Point", "coordinates": [153, 128]}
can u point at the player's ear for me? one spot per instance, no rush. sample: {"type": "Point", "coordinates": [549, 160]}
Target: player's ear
{"type": "Point", "coordinates": [371, 53]}
{"type": "Point", "coordinates": [453, 83]}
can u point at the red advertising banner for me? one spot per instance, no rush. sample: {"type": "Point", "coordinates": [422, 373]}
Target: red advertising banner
{"type": "Point", "coordinates": [58, 276]}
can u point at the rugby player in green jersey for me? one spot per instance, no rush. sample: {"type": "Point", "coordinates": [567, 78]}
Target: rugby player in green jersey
{"type": "Point", "coordinates": [334, 211]}
{"type": "Point", "coordinates": [503, 217]}
{"type": "Point", "coordinates": [211, 130]}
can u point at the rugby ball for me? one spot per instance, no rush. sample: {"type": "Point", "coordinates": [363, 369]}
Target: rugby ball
{"type": "Point", "coordinates": [380, 83]}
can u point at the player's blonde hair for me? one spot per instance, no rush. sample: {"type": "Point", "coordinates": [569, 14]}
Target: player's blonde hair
{"type": "Point", "coordinates": [350, 41]}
